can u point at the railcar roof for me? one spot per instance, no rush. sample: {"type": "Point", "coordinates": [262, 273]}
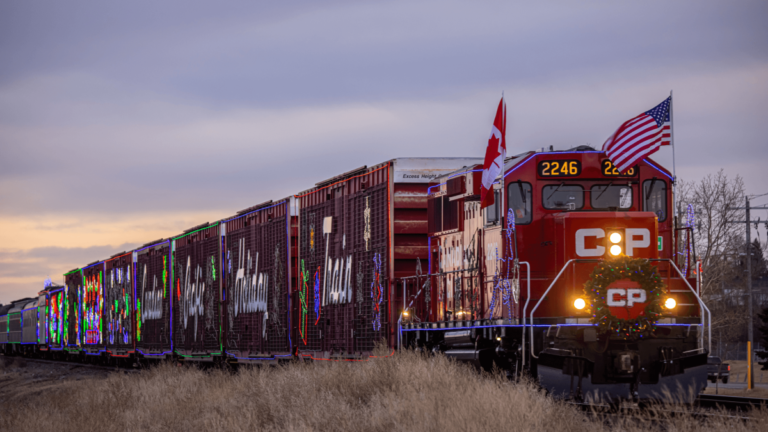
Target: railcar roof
{"type": "Point", "coordinates": [406, 170]}
{"type": "Point", "coordinates": [19, 305]}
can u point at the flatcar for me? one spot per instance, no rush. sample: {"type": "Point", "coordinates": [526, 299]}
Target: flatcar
{"type": "Point", "coordinates": [572, 276]}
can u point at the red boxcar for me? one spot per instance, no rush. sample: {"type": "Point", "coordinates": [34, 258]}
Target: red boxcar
{"type": "Point", "coordinates": [119, 305]}
{"type": "Point", "coordinates": [72, 310]}
{"type": "Point", "coordinates": [197, 285]}
{"type": "Point", "coordinates": [55, 300]}
{"type": "Point", "coordinates": [358, 232]}
{"type": "Point", "coordinates": [92, 309]}
{"type": "Point", "coordinates": [258, 281]}
{"type": "Point", "coordinates": [152, 277]}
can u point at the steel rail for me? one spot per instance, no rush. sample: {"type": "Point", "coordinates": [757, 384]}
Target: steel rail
{"type": "Point", "coordinates": [87, 365]}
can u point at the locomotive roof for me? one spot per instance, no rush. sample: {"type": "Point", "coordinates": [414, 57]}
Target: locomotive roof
{"type": "Point", "coordinates": [4, 309]}
{"type": "Point", "coordinates": [508, 163]}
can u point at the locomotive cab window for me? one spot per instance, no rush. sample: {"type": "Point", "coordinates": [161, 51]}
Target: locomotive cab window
{"type": "Point", "coordinates": [519, 201]}
{"type": "Point", "coordinates": [562, 197]}
{"type": "Point", "coordinates": [492, 215]}
{"type": "Point", "coordinates": [655, 198]}
{"type": "Point", "coordinates": [604, 197]}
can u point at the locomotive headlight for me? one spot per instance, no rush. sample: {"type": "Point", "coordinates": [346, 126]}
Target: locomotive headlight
{"type": "Point", "coordinates": [614, 241]}
{"type": "Point", "coordinates": [670, 303]}
{"type": "Point", "coordinates": [579, 304]}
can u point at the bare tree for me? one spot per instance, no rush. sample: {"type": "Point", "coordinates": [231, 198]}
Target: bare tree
{"type": "Point", "coordinates": [714, 199]}
{"type": "Point", "coordinates": [718, 244]}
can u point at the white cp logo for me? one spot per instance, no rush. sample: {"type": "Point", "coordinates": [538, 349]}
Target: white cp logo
{"type": "Point", "coordinates": [635, 238]}
{"type": "Point", "coordinates": [619, 297]}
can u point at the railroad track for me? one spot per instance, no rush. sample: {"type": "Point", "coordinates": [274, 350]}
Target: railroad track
{"type": "Point", "coordinates": [76, 364]}
{"type": "Point", "coordinates": [608, 413]}
{"type": "Point", "coordinates": [730, 402]}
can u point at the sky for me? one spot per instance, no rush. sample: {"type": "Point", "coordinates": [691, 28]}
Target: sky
{"type": "Point", "coordinates": [125, 122]}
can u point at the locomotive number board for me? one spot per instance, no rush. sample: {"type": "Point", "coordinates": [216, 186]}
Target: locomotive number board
{"type": "Point", "coordinates": [610, 170]}
{"type": "Point", "coordinates": [559, 168]}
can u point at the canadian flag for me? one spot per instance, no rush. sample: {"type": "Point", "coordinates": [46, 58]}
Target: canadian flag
{"type": "Point", "coordinates": [494, 154]}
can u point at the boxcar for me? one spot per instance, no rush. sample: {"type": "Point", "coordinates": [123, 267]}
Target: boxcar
{"type": "Point", "coordinates": [4, 326]}
{"type": "Point", "coordinates": [258, 279]}
{"type": "Point", "coordinates": [73, 301]}
{"type": "Point", "coordinates": [56, 303]}
{"type": "Point", "coordinates": [92, 308]}
{"type": "Point", "coordinates": [358, 232]}
{"type": "Point", "coordinates": [196, 276]}
{"type": "Point", "coordinates": [153, 299]}
{"type": "Point", "coordinates": [42, 320]}
{"type": "Point", "coordinates": [119, 305]}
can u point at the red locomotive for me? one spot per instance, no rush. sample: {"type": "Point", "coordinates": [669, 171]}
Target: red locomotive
{"type": "Point", "coordinates": [506, 285]}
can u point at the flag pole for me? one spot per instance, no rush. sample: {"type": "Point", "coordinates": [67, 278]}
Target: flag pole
{"type": "Point", "coordinates": [672, 143]}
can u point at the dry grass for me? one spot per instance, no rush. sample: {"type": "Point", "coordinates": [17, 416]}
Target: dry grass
{"type": "Point", "coordinates": [406, 392]}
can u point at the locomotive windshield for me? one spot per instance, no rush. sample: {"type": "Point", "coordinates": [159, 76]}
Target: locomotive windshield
{"type": "Point", "coordinates": [563, 197]}
{"type": "Point", "coordinates": [655, 198]}
{"type": "Point", "coordinates": [519, 199]}
{"type": "Point", "coordinates": [605, 197]}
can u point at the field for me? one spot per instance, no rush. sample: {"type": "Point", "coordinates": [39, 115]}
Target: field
{"type": "Point", "coordinates": [404, 392]}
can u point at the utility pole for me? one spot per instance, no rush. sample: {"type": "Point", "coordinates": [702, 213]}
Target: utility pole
{"type": "Point", "coordinates": [750, 339]}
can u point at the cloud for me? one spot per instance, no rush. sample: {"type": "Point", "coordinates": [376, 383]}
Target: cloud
{"type": "Point", "coordinates": [122, 123]}
{"type": "Point", "coordinates": [22, 272]}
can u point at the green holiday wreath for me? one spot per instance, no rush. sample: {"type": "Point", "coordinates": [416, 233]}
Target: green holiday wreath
{"type": "Point", "coordinates": [635, 269]}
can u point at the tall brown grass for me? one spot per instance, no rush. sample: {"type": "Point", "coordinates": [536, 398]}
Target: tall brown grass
{"type": "Point", "coordinates": [405, 392]}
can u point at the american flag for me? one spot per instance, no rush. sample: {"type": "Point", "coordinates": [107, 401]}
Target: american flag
{"type": "Point", "coordinates": [640, 136]}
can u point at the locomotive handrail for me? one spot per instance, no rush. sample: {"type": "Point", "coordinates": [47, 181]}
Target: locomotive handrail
{"type": "Point", "coordinates": [417, 277]}
{"type": "Point", "coordinates": [701, 302]}
{"type": "Point", "coordinates": [542, 299]}
{"type": "Point", "coordinates": [527, 299]}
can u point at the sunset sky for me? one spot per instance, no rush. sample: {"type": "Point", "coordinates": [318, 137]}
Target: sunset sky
{"type": "Point", "coordinates": [125, 122]}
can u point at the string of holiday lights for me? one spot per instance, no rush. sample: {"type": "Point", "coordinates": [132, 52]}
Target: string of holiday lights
{"type": "Point", "coordinates": [317, 295]}
{"type": "Point", "coordinates": [377, 292]}
{"type": "Point", "coordinates": [635, 269]}
{"type": "Point", "coordinates": [303, 291]}
{"type": "Point", "coordinates": [503, 286]}
{"type": "Point", "coordinates": [689, 238]}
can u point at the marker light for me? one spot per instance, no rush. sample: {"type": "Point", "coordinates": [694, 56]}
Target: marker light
{"type": "Point", "coordinates": [670, 303]}
{"type": "Point", "coordinates": [405, 313]}
{"type": "Point", "coordinates": [579, 304]}
{"type": "Point", "coordinates": [498, 338]}
{"type": "Point", "coordinates": [615, 250]}
{"type": "Point", "coordinates": [615, 237]}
